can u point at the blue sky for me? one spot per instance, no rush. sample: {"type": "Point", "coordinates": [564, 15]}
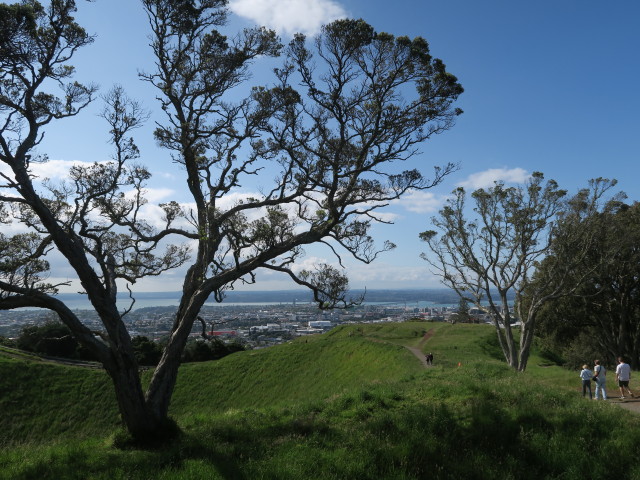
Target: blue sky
{"type": "Point", "coordinates": [550, 86]}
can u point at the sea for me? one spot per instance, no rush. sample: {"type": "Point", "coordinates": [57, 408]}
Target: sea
{"type": "Point", "coordinates": [77, 301]}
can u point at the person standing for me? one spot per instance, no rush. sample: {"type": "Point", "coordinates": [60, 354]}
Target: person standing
{"type": "Point", "coordinates": [430, 359]}
{"type": "Point", "coordinates": [586, 375]}
{"type": "Point", "coordinates": [623, 376]}
{"type": "Point", "coordinates": [599, 376]}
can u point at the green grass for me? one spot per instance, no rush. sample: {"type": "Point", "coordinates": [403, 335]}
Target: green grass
{"type": "Point", "coordinates": [352, 404]}
{"type": "Point", "coordinates": [301, 371]}
{"type": "Point", "coordinates": [42, 401]}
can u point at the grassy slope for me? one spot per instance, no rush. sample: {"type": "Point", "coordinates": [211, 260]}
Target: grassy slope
{"type": "Point", "coordinates": [44, 401]}
{"type": "Point", "coordinates": [351, 404]}
{"type": "Point", "coordinates": [305, 370]}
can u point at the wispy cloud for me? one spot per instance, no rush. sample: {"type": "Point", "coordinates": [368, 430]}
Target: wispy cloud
{"type": "Point", "coordinates": [489, 177]}
{"type": "Point", "coordinates": [385, 275]}
{"type": "Point", "coordinates": [289, 16]}
{"type": "Point", "coordinates": [418, 201]}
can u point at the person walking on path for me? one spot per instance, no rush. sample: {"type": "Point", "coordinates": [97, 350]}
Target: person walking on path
{"type": "Point", "coordinates": [623, 376]}
{"type": "Point", "coordinates": [599, 376]}
{"type": "Point", "coordinates": [586, 375]}
{"type": "Point", "coordinates": [429, 358]}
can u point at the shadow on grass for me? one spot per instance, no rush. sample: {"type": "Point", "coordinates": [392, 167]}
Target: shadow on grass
{"type": "Point", "coordinates": [214, 450]}
{"type": "Point", "coordinates": [512, 432]}
{"type": "Point", "coordinates": [490, 346]}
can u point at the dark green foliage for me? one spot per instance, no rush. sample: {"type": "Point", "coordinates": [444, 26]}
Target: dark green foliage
{"type": "Point", "coordinates": [463, 310]}
{"type": "Point", "coordinates": [548, 352]}
{"type": "Point", "coordinates": [584, 349]}
{"type": "Point", "coordinates": [32, 37]}
{"type": "Point", "coordinates": [197, 351]}
{"type": "Point", "coordinates": [147, 352]}
{"type": "Point", "coordinates": [602, 317]}
{"type": "Point", "coordinates": [462, 313]}
{"type": "Point", "coordinates": [234, 346]}
{"type": "Point", "coordinates": [54, 339]}
{"type": "Point", "coordinates": [14, 19]}
{"type": "Point", "coordinates": [214, 349]}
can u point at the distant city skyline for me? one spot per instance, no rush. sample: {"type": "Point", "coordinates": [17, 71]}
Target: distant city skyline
{"type": "Point", "coordinates": [549, 86]}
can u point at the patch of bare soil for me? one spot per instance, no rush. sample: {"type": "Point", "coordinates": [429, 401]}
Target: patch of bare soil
{"type": "Point", "coordinates": [426, 337]}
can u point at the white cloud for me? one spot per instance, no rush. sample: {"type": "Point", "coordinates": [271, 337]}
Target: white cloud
{"type": "Point", "coordinates": [232, 199]}
{"type": "Point", "coordinates": [310, 263]}
{"type": "Point", "coordinates": [54, 169]}
{"type": "Point", "coordinates": [386, 216]}
{"type": "Point", "coordinates": [487, 178]}
{"type": "Point", "coordinates": [167, 176]}
{"type": "Point", "coordinates": [152, 195]}
{"type": "Point", "coordinates": [419, 201]}
{"type": "Point", "coordinates": [384, 275]}
{"type": "Point", "coordinates": [155, 195]}
{"type": "Point", "coordinates": [289, 16]}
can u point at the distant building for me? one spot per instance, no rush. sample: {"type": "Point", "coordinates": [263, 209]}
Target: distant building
{"type": "Point", "coordinates": [320, 324]}
{"type": "Point", "coordinates": [223, 333]}
{"type": "Point", "coordinates": [309, 331]}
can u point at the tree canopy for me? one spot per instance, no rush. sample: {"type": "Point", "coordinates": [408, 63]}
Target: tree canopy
{"type": "Point", "coordinates": [494, 249]}
{"type": "Point", "coordinates": [602, 316]}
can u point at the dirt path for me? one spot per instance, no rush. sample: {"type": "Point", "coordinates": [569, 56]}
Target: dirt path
{"type": "Point", "coordinates": [629, 403]}
{"type": "Point", "coordinates": [417, 351]}
{"type": "Point", "coordinates": [426, 337]}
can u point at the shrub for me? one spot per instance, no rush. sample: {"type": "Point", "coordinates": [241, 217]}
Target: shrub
{"type": "Point", "coordinates": [214, 349]}
{"type": "Point", "coordinates": [147, 352]}
{"type": "Point", "coordinates": [54, 339]}
{"type": "Point", "coordinates": [7, 342]}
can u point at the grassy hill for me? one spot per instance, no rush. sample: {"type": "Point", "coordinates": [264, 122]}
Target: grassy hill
{"type": "Point", "coordinates": [350, 404]}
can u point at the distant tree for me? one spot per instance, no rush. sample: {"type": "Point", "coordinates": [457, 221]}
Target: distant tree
{"type": "Point", "coordinates": [485, 256]}
{"type": "Point", "coordinates": [232, 347]}
{"type": "Point", "coordinates": [197, 351]}
{"type": "Point", "coordinates": [213, 349]}
{"type": "Point", "coordinates": [52, 338]}
{"type": "Point", "coordinates": [147, 352]}
{"type": "Point", "coordinates": [462, 313]}
{"type": "Point", "coordinates": [323, 142]}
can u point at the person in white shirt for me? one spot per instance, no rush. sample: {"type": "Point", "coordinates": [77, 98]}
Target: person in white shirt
{"type": "Point", "coordinates": [586, 375]}
{"type": "Point", "coordinates": [623, 376]}
{"type": "Point", "coordinates": [599, 376]}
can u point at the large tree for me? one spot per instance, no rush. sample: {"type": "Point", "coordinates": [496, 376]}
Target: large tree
{"type": "Point", "coordinates": [323, 143]}
{"type": "Point", "coordinates": [488, 253]}
{"type": "Point", "coordinates": [603, 315]}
